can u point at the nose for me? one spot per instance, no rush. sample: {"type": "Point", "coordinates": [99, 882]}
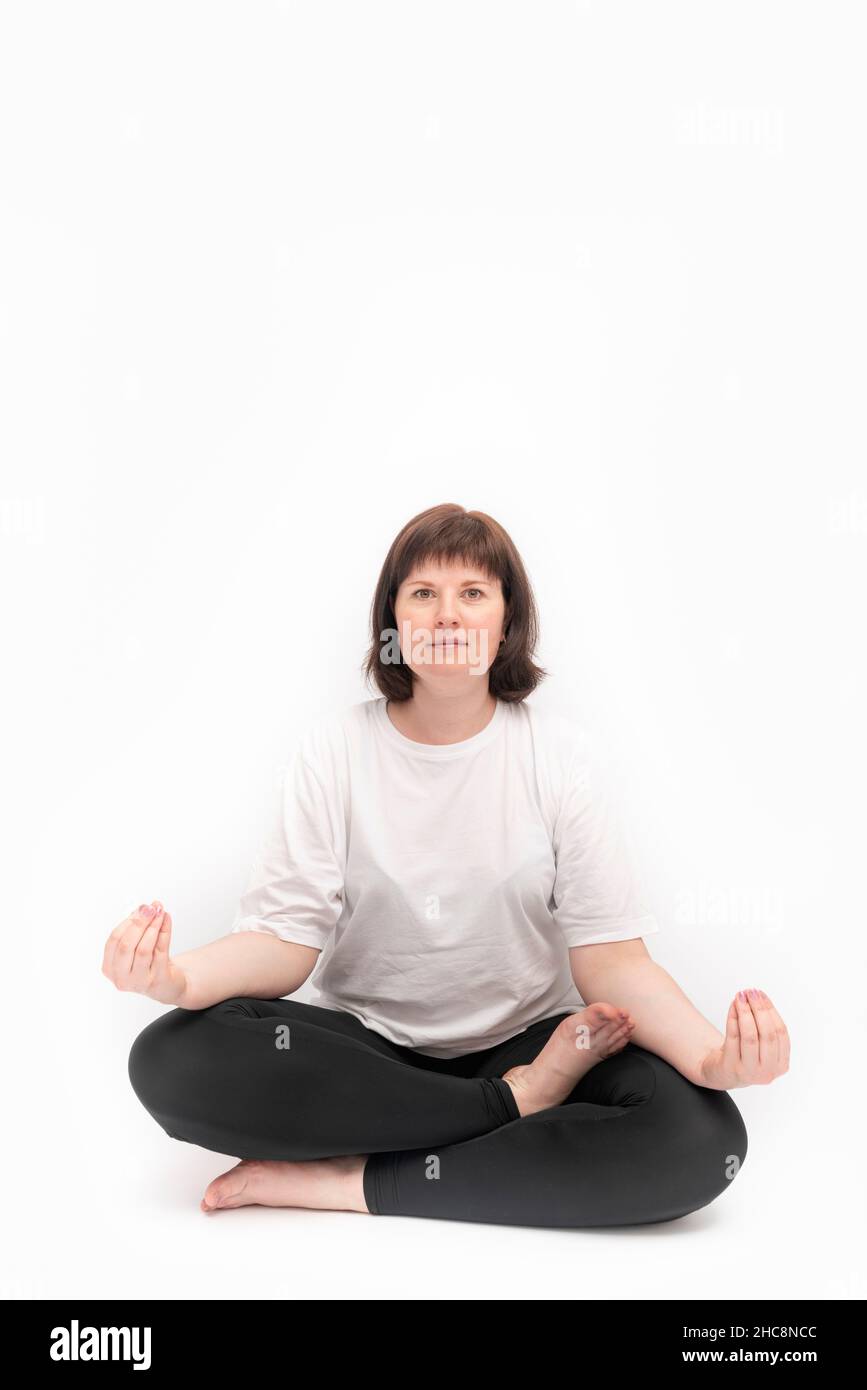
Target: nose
{"type": "Point", "coordinates": [446, 615]}
{"type": "Point", "coordinates": [447, 620]}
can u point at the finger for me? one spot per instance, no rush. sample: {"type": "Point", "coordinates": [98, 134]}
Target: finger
{"type": "Point", "coordinates": [161, 946]}
{"type": "Point", "coordinates": [128, 956]}
{"type": "Point", "coordinates": [749, 1035]}
{"type": "Point", "coordinates": [109, 950]}
{"type": "Point", "coordinates": [144, 951]}
{"type": "Point", "coordinates": [115, 936]}
{"type": "Point", "coordinates": [783, 1039]}
{"type": "Point", "coordinates": [769, 1050]}
{"type": "Point", "coordinates": [121, 945]}
{"type": "Point", "coordinates": [733, 1032]}
{"type": "Point", "coordinates": [732, 1040]}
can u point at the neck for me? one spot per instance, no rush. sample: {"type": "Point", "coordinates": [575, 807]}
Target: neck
{"type": "Point", "coordinates": [443, 718]}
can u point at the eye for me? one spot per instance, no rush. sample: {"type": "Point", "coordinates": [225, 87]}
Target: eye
{"type": "Point", "coordinates": [472, 590]}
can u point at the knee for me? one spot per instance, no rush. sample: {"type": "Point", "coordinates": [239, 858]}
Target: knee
{"type": "Point", "coordinates": [707, 1144]}
{"type": "Point", "coordinates": [143, 1064]}
{"type": "Point", "coordinates": [153, 1064]}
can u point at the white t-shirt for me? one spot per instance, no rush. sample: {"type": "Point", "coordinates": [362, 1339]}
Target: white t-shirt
{"type": "Point", "coordinates": [444, 883]}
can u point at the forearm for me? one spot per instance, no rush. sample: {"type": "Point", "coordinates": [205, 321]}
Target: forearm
{"type": "Point", "coordinates": [665, 1021]}
{"type": "Point", "coordinates": [251, 963]}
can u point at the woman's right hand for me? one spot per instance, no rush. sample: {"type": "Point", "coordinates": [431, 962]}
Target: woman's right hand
{"type": "Point", "coordinates": [136, 956]}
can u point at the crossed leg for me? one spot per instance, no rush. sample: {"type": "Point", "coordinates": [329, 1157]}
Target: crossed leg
{"type": "Point", "coordinates": [289, 1083]}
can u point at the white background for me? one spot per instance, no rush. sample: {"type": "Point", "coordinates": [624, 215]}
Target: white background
{"type": "Point", "coordinates": [275, 277]}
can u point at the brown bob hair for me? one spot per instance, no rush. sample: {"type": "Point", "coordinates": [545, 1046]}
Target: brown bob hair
{"type": "Point", "coordinates": [450, 533]}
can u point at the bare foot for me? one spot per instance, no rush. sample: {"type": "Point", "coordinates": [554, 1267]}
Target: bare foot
{"type": "Point", "coordinates": [323, 1184]}
{"type": "Point", "coordinates": [576, 1045]}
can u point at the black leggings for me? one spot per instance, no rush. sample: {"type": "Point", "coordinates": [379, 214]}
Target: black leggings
{"type": "Point", "coordinates": [634, 1142]}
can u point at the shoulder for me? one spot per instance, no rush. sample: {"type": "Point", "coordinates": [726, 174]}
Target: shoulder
{"type": "Point", "coordinates": [326, 740]}
{"type": "Point", "coordinates": [560, 737]}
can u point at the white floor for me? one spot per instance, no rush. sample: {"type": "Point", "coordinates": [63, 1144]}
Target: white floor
{"type": "Point", "coordinates": [98, 1202]}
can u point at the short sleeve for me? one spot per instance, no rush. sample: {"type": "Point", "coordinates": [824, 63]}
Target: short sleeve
{"type": "Point", "coordinates": [295, 887]}
{"type": "Point", "coordinates": [596, 897]}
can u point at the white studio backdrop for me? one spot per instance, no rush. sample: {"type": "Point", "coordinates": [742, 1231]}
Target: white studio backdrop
{"type": "Point", "coordinates": [276, 277]}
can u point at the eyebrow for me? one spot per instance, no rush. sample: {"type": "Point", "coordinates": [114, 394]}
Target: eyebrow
{"type": "Point", "coordinates": [431, 585]}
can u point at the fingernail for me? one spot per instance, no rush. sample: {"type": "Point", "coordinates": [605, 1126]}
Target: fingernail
{"type": "Point", "coordinates": [742, 996]}
{"type": "Point", "coordinates": [147, 910]}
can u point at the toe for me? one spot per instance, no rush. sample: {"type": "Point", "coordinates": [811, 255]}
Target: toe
{"type": "Point", "coordinates": [603, 1013]}
{"type": "Point", "coordinates": [225, 1190]}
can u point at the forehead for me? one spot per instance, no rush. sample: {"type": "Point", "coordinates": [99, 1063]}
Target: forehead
{"type": "Point", "coordinates": [459, 570]}
{"type": "Point", "coordinates": [448, 574]}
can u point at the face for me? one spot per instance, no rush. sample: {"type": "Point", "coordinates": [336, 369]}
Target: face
{"type": "Point", "coordinates": [450, 618]}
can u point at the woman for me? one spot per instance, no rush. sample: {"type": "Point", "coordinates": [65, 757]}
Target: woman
{"type": "Point", "coordinates": [446, 858]}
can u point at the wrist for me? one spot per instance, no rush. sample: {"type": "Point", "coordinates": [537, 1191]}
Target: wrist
{"type": "Point", "coordinates": [703, 1067]}
{"type": "Point", "coordinates": [184, 997]}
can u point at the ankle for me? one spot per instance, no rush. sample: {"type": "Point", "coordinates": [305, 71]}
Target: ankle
{"type": "Point", "coordinates": [346, 1182]}
{"type": "Point", "coordinates": [525, 1093]}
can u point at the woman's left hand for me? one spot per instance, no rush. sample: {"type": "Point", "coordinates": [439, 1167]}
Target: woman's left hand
{"type": "Point", "coordinates": [756, 1047]}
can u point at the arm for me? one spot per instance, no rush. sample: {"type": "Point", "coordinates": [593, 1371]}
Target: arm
{"type": "Point", "coordinates": [257, 964]}
{"type": "Point", "coordinates": [595, 896]}
{"type": "Point", "coordinates": [623, 973]}
{"type": "Point", "coordinates": [295, 890]}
